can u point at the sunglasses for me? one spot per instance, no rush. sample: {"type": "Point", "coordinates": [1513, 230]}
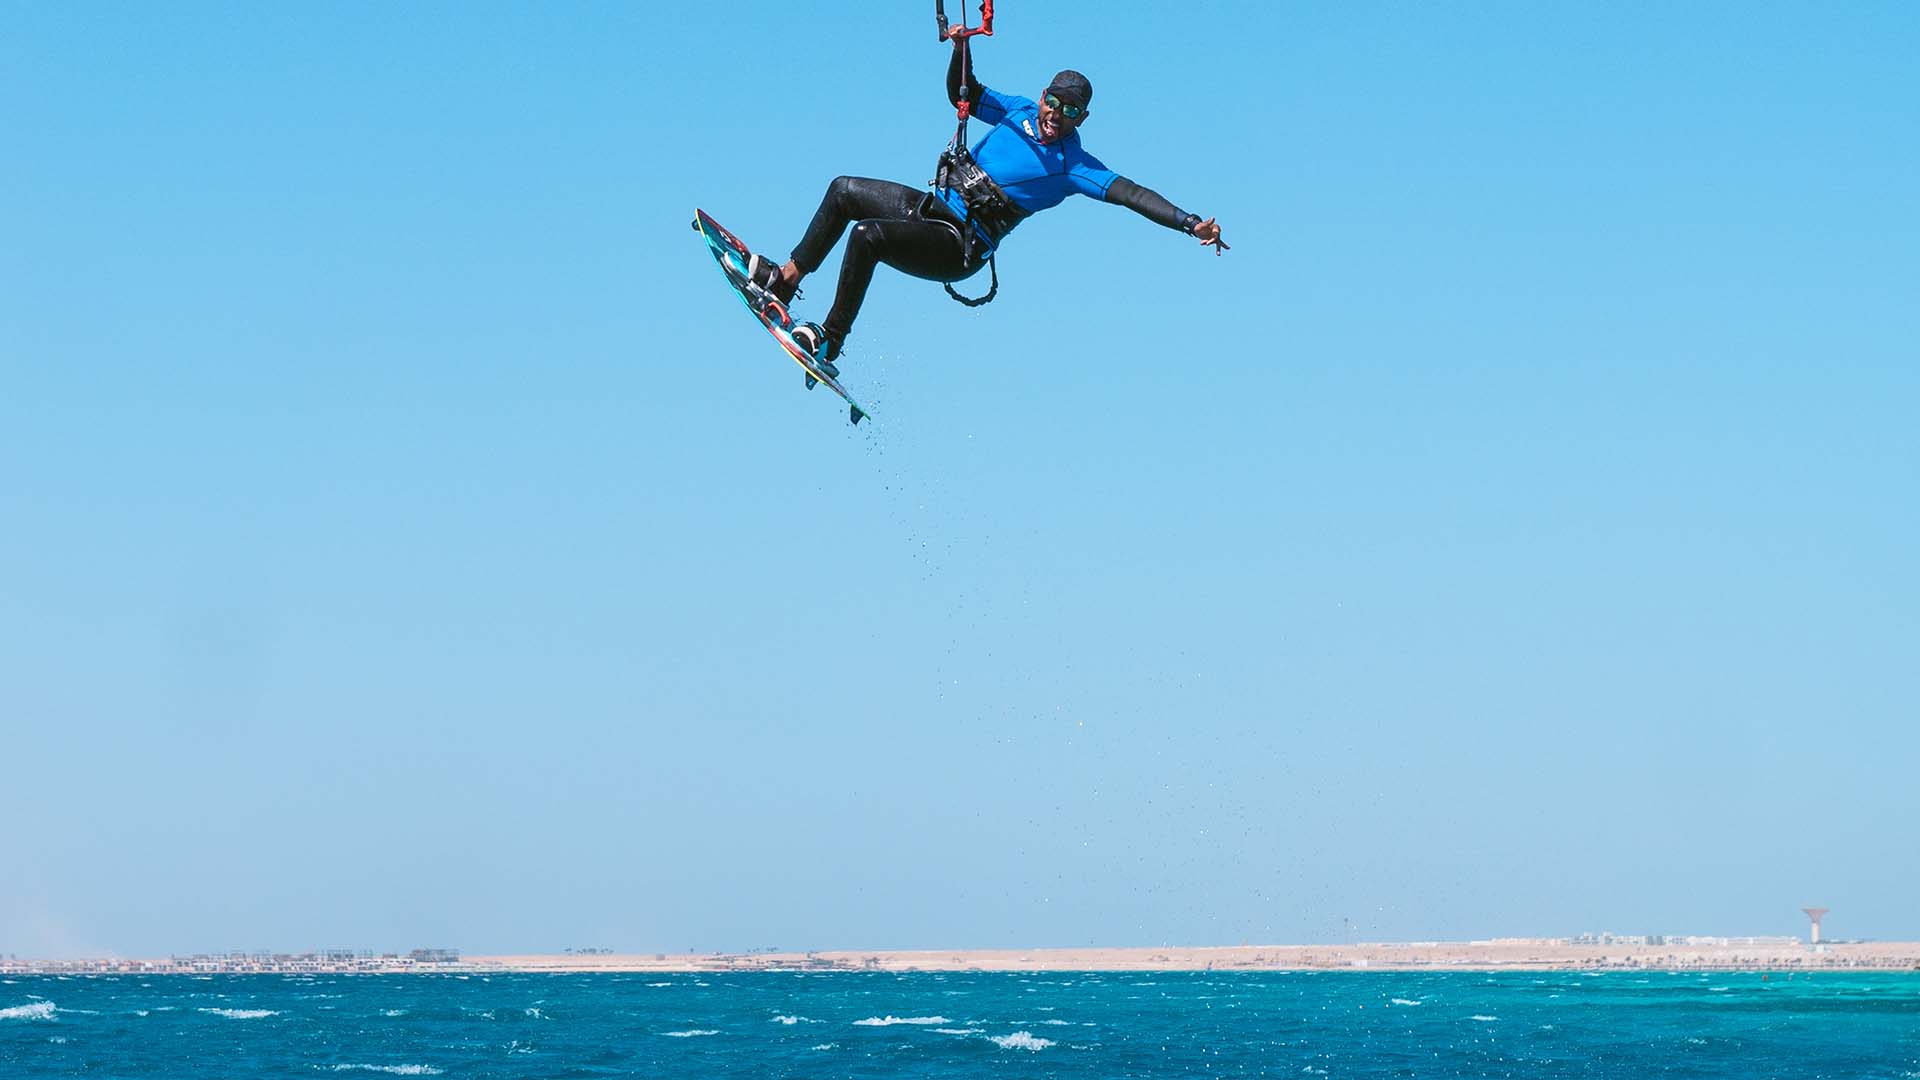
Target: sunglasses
{"type": "Point", "coordinates": [1071, 112]}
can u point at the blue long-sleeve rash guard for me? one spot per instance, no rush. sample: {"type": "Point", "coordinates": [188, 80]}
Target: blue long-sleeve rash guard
{"type": "Point", "coordinates": [1037, 175]}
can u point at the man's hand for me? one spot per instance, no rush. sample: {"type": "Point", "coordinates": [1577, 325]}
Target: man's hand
{"type": "Point", "coordinates": [1208, 232]}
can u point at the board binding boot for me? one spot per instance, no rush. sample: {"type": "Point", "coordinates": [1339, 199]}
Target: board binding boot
{"type": "Point", "coordinates": [813, 338]}
{"type": "Point", "coordinates": [764, 274]}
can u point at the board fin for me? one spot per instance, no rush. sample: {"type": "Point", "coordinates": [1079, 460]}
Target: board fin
{"type": "Point", "coordinates": [811, 381]}
{"type": "Point", "coordinates": [854, 413]}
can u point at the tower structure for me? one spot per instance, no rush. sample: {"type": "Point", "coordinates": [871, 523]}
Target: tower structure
{"type": "Point", "coordinates": [1814, 913]}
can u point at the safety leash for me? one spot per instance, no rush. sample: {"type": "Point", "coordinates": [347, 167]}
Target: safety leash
{"type": "Point", "coordinates": [957, 155]}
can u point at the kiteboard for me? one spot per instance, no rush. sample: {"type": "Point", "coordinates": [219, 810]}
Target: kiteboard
{"type": "Point", "coordinates": [732, 256]}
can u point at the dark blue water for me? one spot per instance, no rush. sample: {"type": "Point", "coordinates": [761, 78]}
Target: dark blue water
{"type": "Point", "coordinates": [964, 1025]}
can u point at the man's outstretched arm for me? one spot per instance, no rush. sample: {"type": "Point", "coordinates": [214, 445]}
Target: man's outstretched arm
{"type": "Point", "coordinates": [1154, 206]}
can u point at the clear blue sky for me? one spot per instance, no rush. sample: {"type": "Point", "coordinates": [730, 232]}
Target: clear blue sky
{"type": "Point", "coordinates": [405, 539]}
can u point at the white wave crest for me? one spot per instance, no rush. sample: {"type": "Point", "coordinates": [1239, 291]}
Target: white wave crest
{"type": "Point", "coordinates": [1405, 1001]}
{"type": "Point", "coordinates": [39, 1010]}
{"type": "Point", "coordinates": [889, 1020]}
{"type": "Point", "coordinates": [792, 1020]}
{"type": "Point", "coordinates": [958, 1031]}
{"type": "Point", "coordinates": [393, 1012]}
{"type": "Point", "coordinates": [396, 1070]}
{"type": "Point", "coordinates": [536, 1014]}
{"type": "Point", "coordinates": [826, 1046]}
{"type": "Point", "coordinates": [690, 1033]}
{"type": "Point", "coordinates": [243, 1014]}
{"type": "Point", "coordinates": [1020, 1040]}
{"type": "Point", "coordinates": [1483, 1018]}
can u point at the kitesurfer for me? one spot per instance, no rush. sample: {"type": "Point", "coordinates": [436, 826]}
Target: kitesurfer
{"type": "Point", "coordinates": [1029, 160]}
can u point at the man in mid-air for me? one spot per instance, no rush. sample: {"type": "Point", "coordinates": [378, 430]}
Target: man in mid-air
{"type": "Point", "coordinates": [1029, 160]}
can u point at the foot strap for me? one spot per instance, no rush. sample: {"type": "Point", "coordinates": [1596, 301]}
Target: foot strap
{"type": "Point", "coordinates": [754, 263]}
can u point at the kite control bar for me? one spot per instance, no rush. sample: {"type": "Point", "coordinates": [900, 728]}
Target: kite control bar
{"type": "Point", "coordinates": [986, 20]}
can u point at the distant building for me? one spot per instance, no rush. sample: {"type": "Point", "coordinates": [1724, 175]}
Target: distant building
{"type": "Point", "coordinates": [1815, 914]}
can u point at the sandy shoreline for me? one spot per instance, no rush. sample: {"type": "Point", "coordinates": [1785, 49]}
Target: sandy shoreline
{"type": "Point", "coordinates": [1428, 956]}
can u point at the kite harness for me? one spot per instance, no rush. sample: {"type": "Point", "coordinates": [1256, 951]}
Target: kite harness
{"type": "Point", "coordinates": [989, 211]}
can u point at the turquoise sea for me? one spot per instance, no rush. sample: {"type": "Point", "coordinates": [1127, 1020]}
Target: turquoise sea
{"type": "Point", "coordinates": [1068, 1024]}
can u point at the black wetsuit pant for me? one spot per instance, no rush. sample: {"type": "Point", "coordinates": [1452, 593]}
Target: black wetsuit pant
{"type": "Point", "coordinates": [909, 230]}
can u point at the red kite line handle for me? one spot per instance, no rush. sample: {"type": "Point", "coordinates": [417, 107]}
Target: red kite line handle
{"type": "Point", "coordinates": [986, 20]}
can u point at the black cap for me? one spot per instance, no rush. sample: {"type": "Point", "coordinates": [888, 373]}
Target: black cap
{"type": "Point", "coordinates": [1072, 87]}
